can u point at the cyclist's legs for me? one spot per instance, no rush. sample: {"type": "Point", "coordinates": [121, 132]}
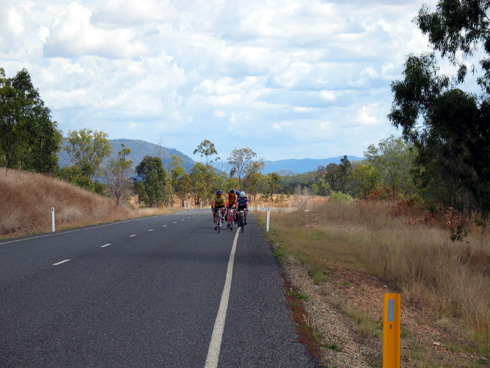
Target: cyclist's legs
{"type": "Point", "coordinates": [239, 213]}
{"type": "Point", "coordinates": [216, 216]}
{"type": "Point", "coordinates": [230, 215]}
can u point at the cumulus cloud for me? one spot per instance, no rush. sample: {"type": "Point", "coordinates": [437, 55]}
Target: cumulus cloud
{"type": "Point", "coordinates": [367, 115]}
{"type": "Point", "coordinates": [73, 35]}
{"type": "Point", "coordinates": [308, 74]}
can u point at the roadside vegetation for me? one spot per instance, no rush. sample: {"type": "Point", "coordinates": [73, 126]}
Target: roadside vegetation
{"type": "Point", "coordinates": [26, 200]}
{"type": "Point", "coordinates": [444, 283]}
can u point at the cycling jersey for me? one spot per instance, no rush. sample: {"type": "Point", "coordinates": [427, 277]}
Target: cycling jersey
{"type": "Point", "coordinates": [242, 202]}
{"type": "Point", "coordinates": [219, 201]}
{"type": "Point", "coordinates": [231, 199]}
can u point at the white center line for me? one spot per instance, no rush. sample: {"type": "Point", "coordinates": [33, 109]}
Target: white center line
{"type": "Point", "coordinates": [164, 226]}
{"type": "Point", "coordinates": [219, 324]}
{"type": "Point", "coordinates": [57, 264]}
{"type": "Point", "coordinates": [132, 236]}
{"type": "Point", "coordinates": [105, 245]}
{"type": "Point", "coordinates": [175, 222]}
{"type": "Point", "coordinates": [150, 230]}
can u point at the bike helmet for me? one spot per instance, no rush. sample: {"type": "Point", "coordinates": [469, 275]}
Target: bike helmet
{"type": "Point", "coordinates": [219, 192]}
{"type": "Point", "coordinates": [242, 194]}
{"type": "Point", "coordinates": [232, 190]}
{"type": "Point", "coordinates": [237, 192]}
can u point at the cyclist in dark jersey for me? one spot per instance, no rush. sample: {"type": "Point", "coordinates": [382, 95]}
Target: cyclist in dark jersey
{"type": "Point", "coordinates": [243, 205]}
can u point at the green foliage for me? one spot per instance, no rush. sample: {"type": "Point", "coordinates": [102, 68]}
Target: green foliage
{"type": "Point", "coordinates": [206, 149]}
{"type": "Point", "coordinates": [151, 181]}
{"type": "Point", "coordinates": [184, 188]}
{"type": "Point", "coordinates": [87, 150]}
{"type": "Point", "coordinates": [341, 197]}
{"type": "Point", "coordinates": [457, 29]}
{"type": "Point", "coordinates": [29, 139]}
{"type": "Point", "coordinates": [393, 161]}
{"type": "Point", "coordinates": [448, 126]}
{"type": "Point", "coordinates": [118, 173]}
{"type": "Point", "coordinates": [272, 184]}
{"type": "Point", "coordinates": [290, 182]}
{"type": "Point", "coordinates": [202, 178]}
{"type": "Point", "coordinates": [366, 178]}
{"type": "Point", "coordinates": [254, 180]}
{"type": "Point", "coordinates": [239, 160]}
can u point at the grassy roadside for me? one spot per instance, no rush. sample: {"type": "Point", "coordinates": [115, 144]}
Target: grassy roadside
{"type": "Point", "coordinates": [26, 200]}
{"type": "Point", "coordinates": [358, 251]}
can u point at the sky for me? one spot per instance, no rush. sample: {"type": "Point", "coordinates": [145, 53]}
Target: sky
{"type": "Point", "coordinates": [285, 78]}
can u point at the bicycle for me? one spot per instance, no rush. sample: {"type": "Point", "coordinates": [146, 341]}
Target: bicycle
{"type": "Point", "coordinates": [220, 219]}
{"type": "Point", "coordinates": [230, 213]}
{"type": "Point", "coordinates": [241, 220]}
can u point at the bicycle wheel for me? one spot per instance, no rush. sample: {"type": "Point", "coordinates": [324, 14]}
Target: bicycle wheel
{"type": "Point", "coordinates": [219, 224]}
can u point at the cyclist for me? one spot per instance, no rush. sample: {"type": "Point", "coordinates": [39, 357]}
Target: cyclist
{"type": "Point", "coordinates": [231, 205]}
{"type": "Point", "coordinates": [218, 204]}
{"type": "Point", "coordinates": [243, 205]}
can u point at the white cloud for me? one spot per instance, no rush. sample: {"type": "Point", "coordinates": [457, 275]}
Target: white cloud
{"type": "Point", "coordinates": [74, 35]}
{"type": "Point", "coordinates": [367, 115]}
{"type": "Point", "coordinates": [305, 73]}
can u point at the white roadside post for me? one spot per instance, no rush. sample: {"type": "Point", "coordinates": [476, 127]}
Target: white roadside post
{"type": "Point", "coordinates": [52, 219]}
{"type": "Point", "coordinates": [268, 218]}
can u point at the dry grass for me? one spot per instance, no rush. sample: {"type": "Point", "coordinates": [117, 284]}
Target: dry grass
{"type": "Point", "coordinates": [444, 279]}
{"type": "Point", "coordinates": [26, 200]}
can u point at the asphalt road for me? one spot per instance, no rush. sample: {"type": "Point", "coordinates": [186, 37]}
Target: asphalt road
{"type": "Point", "coordinates": [145, 293]}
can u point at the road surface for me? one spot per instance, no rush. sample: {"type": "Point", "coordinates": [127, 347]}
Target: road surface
{"type": "Point", "coordinates": [165, 291]}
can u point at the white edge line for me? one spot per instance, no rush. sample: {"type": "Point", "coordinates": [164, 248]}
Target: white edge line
{"type": "Point", "coordinates": [219, 324]}
{"type": "Point", "coordinates": [57, 264]}
{"type": "Point", "coordinates": [105, 245]}
{"type": "Point", "coordinates": [132, 236]}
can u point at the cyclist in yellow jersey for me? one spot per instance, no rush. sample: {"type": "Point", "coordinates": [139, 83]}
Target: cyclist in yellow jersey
{"type": "Point", "coordinates": [218, 204]}
{"type": "Point", "coordinates": [231, 206]}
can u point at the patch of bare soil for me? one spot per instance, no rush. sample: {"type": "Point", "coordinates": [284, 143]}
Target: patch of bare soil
{"type": "Point", "coordinates": [425, 342]}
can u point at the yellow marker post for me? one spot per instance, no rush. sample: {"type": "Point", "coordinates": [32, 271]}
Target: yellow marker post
{"type": "Point", "coordinates": [391, 331]}
{"type": "Point", "coordinates": [163, 205]}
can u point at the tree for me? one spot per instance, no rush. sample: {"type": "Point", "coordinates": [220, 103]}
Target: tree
{"type": "Point", "coordinates": [238, 160]}
{"type": "Point", "coordinates": [253, 177]}
{"type": "Point", "coordinates": [448, 126]}
{"type": "Point", "coordinates": [457, 30]}
{"type": "Point", "coordinates": [206, 148]}
{"type": "Point", "coordinates": [87, 150]}
{"type": "Point", "coordinates": [331, 173]}
{"type": "Point", "coordinates": [177, 170]}
{"type": "Point", "coordinates": [184, 188]}
{"type": "Point", "coordinates": [150, 181]}
{"type": "Point", "coordinates": [118, 173]}
{"type": "Point", "coordinates": [9, 116]}
{"type": "Point", "coordinates": [29, 139]}
{"type": "Point", "coordinates": [272, 180]}
{"type": "Point", "coordinates": [393, 160]}
{"type": "Point", "coordinates": [344, 173]}
{"type": "Point", "coordinates": [367, 179]}
{"type": "Point", "coordinates": [202, 177]}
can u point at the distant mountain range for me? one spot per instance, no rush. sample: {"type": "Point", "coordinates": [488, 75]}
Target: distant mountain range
{"type": "Point", "coordinates": [301, 166]}
{"type": "Point", "coordinates": [140, 149]}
